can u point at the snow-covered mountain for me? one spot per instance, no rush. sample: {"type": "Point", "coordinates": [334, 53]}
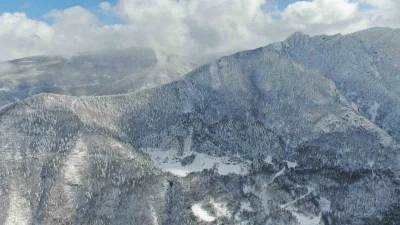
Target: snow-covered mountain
{"type": "Point", "coordinates": [367, 78]}
{"type": "Point", "coordinates": [92, 73]}
{"type": "Point", "coordinates": [385, 39]}
{"type": "Point", "coordinates": [268, 136]}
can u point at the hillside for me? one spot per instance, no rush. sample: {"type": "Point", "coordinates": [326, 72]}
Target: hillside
{"type": "Point", "coordinates": [267, 136]}
{"type": "Point", "coordinates": [384, 38]}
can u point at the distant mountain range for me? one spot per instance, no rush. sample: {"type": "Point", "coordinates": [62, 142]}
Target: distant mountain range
{"type": "Point", "coordinates": [300, 132]}
{"type": "Point", "coordinates": [92, 73]}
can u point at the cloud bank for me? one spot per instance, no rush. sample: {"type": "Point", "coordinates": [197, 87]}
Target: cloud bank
{"type": "Point", "coordinates": [187, 27]}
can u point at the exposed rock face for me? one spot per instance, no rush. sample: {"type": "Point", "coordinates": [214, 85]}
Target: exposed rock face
{"type": "Point", "coordinates": [93, 73]}
{"type": "Point", "coordinates": [267, 136]}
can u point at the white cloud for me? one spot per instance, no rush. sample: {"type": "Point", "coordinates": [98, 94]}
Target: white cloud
{"type": "Point", "coordinates": [378, 3]}
{"type": "Point", "coordinates": [105, 6]}
{"type": "Point", "coordinates": [20, 36]}
{"type": "Point", "coordinates": [77, 29]}
{"type": "Point", "coordinates": [196, 25]}
{"type": "Point", "coordinates": [189, 27]}
{"type": "Point", "coordinates": [75, 16]}
{"type": "Point", "coordinates": [324, 16]}
{"type": "Point", "coordinates": [320, 11]}
{"type": "Point", "coordinates": [384, 12]}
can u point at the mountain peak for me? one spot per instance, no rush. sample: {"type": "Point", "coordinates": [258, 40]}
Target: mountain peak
{"type": "Point", "coordinates": [298, 35]}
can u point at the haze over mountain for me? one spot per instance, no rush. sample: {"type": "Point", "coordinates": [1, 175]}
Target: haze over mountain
{"type": "Point", "coordinates": [300, 132]}
{"type": "Point", "coordinates": [92, 73]}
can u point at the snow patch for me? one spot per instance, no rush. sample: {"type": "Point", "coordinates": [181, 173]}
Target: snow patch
{"type": "Point", "coordinates": [278, 174]}
{"type": "Point", "coordinates": [169, 161]}
{"type": "Point", "coordinates": [200, 213]}
{"type": "Point", "coordinates": [373, 111]}
{"type": "Point", "coordinates": [325, 205]}
{"type": "Point", "coordinates": [247, 189]}
{"type": "Point", "coordinates": [305, 219]}
{"type": "Point", "coordinates": [268, 160]}
{"type": "Point", "coordinates": [291, 165]}
{"type": "Point", "coordinates": [154, 214]}
{"type": "Point", "coordinates": [5, 89]}
{"type": "Point", "coordinates": [246, 206]}
{"type": "Point", "coordinates": [225, 169]}
{"type": "Point", "coordinates": [371, 163]}
{"type": "Point", "coordinates": [19, 212]}
{"type": "Point", "coordinates": [287, 205]}
{"type": "Point", "coordinates": [75, 163]}
{"type": "Point", "coordinates": [221, 209]}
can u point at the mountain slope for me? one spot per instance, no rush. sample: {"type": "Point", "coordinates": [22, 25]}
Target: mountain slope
{"type": "Point", "coordinates": [93, 73]}
{"type": "Point", "coordinates": [366, 76]}
{"type": "Point", "coordinates": [385, 39]}
{"type": "Point", "coordinates": [269, 141]}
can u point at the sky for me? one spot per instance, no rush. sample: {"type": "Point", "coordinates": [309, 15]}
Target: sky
{"type": "Point", "coordinates": [186, 27]}
{"type": "Point", "coordinates": [36, 9]}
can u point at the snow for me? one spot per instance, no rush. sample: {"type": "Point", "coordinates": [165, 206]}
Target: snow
{"type": "Point", "coordinates": [328, 124]}
{"type": "Point", "coordinates": [221, 209]}
{"type": "Point", "coordinates": [188, 141]}
{"type": "Point", "coordinates": [292, 114]}
{"type": "Point", "coordinates": [325, 205]}
{"type": "Point", "coordinates": [291, 165]}
{"type": "Point", "coordinates": [247, 189]}
{"type": "Point", "coordinates": [154, 215]}
{"type": "Point", "coordinates": [75, 164]}
{"type": "Point", "coordinates": [225, 169]}
{"type": "Point", "coordinates": [199, 212]}
{"type": "Point", "coordinates": [373, 111]}
{"type": "Point", "coordinates": [19, 212]}
{"type": "Point", "coordinates": [287, 205]}
{"type": "Point", "coordinates": [278, 174]}
{"type": "Point", "coordinates": [5, 89]}
{"type": "Point", "coordinates": [371, 163]}
{"type": "Point", "coordinates": [354, 106]}
{"type": "Point", "coordinates": [305, 219]}
{"type": "Point", "coordinates": [268, 159]}
{"type": "Point", "coordinates": [169, 161]}
{"type": "Point", "coordinates": [302, 217]}
{"type": "Point", "coordinates": [246, 206]}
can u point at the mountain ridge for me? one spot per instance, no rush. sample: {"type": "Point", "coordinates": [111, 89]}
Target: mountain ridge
{"type": "Point", "coordinates": [311, 156]}
{"type": "Point", "coordinates": [91, 73]}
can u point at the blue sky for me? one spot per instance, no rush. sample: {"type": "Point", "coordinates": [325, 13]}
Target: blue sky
{"type": "Point", "coordinates": [283, 3]}
{"type": "Point", "coordinates": [36, 9]}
